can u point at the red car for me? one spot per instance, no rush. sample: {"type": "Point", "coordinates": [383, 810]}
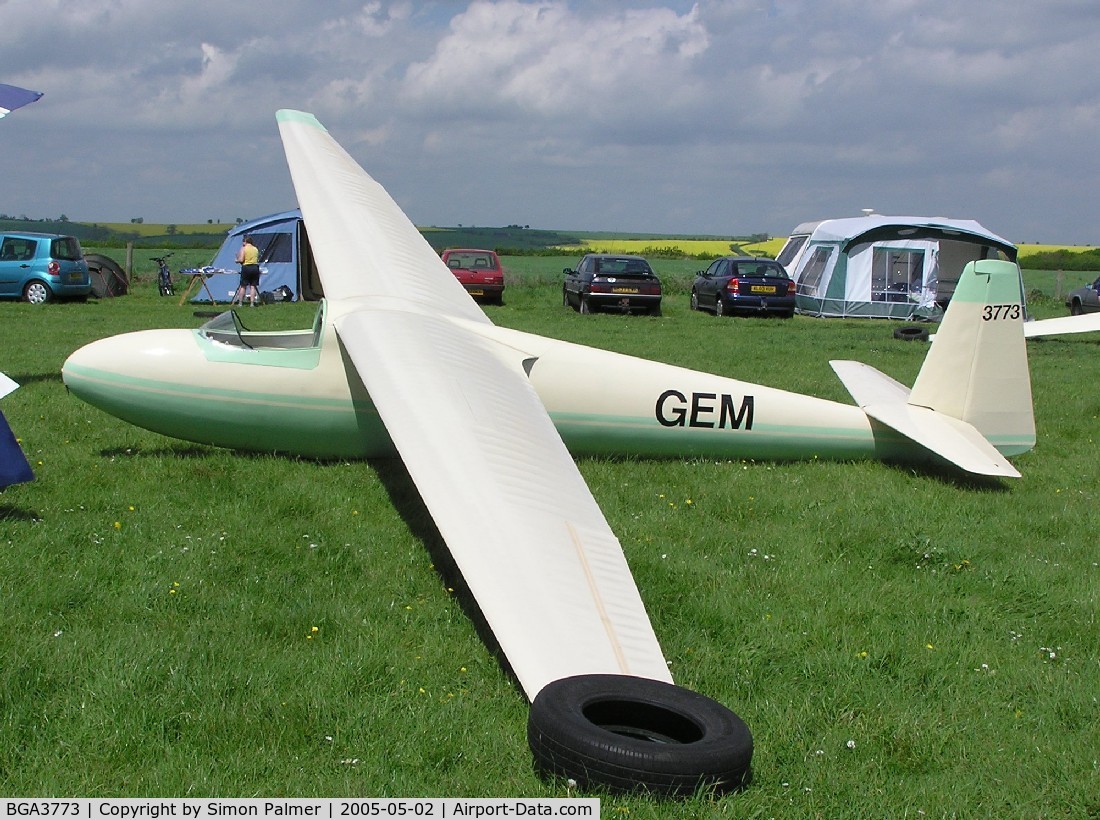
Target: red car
{"type": "Point", "coordinates": [478, 271]}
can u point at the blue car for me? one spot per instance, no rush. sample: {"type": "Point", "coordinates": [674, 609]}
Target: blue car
{"type": "Point", "coordinates": [39, 267]}
{"type": "Point", "coordinates": [739, 284]}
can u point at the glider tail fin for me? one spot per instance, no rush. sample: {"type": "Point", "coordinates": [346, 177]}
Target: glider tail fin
{"type": "Point", "coordinates": [971, 403]}
{"type": "Point", "coordinates": [976, 370]}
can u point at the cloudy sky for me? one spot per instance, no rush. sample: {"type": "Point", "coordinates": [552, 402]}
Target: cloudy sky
{"type": "Point", "coordinates": [716, 117]}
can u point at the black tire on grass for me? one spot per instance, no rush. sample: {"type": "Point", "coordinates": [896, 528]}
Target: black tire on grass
{"type": "Point", "coordinates": [911, 333]}
{"type": "Point", "coordinates": [635, 734]}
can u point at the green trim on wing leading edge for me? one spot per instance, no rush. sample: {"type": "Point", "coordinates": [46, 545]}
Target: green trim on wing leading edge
{"type": "Point", "coordinates": [290, 115]}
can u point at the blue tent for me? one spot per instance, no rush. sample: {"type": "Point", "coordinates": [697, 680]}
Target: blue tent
{"type": "Point", "coordinates": [285, 259]}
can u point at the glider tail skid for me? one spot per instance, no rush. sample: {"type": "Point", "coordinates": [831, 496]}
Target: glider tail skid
{"type": "Point", "coordinates": [971, 402]}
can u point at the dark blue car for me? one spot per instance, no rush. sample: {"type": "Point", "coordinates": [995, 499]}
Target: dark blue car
{"type": "Point", "coordinates": [743, 284]}
{"type": "Point", "coordinates": [604, 281]}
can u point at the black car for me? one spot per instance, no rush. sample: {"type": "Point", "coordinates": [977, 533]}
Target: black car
{"type": "Point", "coordinates": [626, 284]}
{"type": "Point", "coordinates": [744, 284]}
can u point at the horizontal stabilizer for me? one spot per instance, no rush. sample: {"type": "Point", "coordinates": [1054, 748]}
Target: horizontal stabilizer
{"type": "Point", "coordinates": [1063, 324]}
{"type": "Point", "coordinates": [886, 401]}
{"type": "Point", "coordinates": [867, 385]}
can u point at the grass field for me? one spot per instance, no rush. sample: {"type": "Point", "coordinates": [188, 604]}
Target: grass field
{"type": "Point", "coordinates": [185, 621]}
{"type": "Point", "coordinates": [155, 229]}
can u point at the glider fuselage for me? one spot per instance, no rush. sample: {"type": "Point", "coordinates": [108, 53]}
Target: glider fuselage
{"type": "Point", "coordinates": [297, 393]}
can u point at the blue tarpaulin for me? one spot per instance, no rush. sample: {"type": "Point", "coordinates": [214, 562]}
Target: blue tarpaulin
{"type": "Point", "coordinates": [14, 468]}
{"type": "Point", "coordinates": [13, 97]}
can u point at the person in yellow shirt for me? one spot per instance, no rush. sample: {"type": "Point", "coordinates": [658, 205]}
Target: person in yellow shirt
{"type": "Point", "coordinates": [248, 257]}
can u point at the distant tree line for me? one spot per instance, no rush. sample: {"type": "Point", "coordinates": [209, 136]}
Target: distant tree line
{"type": "Point", "coordinates": [1062, 259]}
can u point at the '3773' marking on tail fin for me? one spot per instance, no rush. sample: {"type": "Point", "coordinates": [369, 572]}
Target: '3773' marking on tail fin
{"type": "Point", "coordinates": [992, 313]}
{"type": "Point", "coordinates": [675, 409]}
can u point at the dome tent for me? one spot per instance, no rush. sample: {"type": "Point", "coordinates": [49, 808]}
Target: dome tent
{"type": "Point", "coordinates": [285, 258]}
{"type": "Point", "coordinates": [898, 267]}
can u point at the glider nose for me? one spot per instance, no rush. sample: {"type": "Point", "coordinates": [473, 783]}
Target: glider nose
{"type": "Point", "coordinates": [110, 372]}
{"type": "Point", "coordinates": [115, 355]}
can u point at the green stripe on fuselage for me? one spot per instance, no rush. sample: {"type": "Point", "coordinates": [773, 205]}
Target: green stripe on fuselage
{"type": "Point", "coordinates": [305, 425]}
{"type": "Point", "coordinates": [605, 435]}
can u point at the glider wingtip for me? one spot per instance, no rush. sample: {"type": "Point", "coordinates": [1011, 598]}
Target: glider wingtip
{"type": "Point", "coordinates": [1000, 471]}
{"type": "Point", "coordinates": [291, 115]}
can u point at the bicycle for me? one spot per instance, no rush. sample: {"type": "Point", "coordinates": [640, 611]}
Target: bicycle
{"type": "Point", "coordinates": [164, 275]}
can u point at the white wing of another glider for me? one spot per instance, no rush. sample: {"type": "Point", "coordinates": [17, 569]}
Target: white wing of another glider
{"type": "Point", "coordinates": [538, 555]}
{"type": "Point", "coordinates": [1063, 324]}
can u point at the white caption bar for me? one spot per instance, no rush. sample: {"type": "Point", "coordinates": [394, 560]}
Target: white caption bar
{"type": "Point", "coordinates": [436, 808]}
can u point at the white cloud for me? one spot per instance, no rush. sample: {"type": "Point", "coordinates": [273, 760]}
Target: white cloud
{"type": "Point", "coordinates": [544, 60]}
{"type": "Point", "coordinates": [718, 115]}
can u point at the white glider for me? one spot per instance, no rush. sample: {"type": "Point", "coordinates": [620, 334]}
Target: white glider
{"type": "Point", "coordinates": [401, 360]}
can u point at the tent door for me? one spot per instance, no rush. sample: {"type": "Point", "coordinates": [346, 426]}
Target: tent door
{"type": "Point", "coordinates": [309, 282]}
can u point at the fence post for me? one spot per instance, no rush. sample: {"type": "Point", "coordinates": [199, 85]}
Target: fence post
{"type": "Point", "coordinates": [129, 261]}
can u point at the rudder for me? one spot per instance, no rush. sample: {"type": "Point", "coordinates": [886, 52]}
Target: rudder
{"type": "Point", "coordinates": [977, 369]}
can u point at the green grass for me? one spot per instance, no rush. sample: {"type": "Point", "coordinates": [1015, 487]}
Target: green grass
{"type": "Point", "coordinates": [900, 643]}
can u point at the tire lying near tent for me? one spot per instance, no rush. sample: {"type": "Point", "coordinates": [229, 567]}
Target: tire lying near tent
{"type": "Point", "coordinates": [108, 279]}
{"type": "Point", "coordinates": [911, 333]}
{"type": "Point", "coordinates": [636, 734]}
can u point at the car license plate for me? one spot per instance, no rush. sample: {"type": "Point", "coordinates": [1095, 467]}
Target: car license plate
{"type": "Point", "coordinates": [477, 292]}
{"type": "Point", "coordinates": [624, 290]}
{"type": "Point", "coordinates": [763, 288]}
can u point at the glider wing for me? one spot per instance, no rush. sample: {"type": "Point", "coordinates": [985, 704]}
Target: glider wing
{"type": "Point", "coordinates": [519, 520]}
{"type": "Point", "coordinates": [362, 242]}
{"type": "Point", "coordinates": [534, 548]}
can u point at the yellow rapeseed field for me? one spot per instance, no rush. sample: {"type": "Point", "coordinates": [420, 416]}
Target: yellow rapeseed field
{"type": "Point", "coordinates": [689, 247]}
{"type": "Point", "coordinates": [721, 247]}
{"type": "Point", "coordinates": [1026, 249]}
